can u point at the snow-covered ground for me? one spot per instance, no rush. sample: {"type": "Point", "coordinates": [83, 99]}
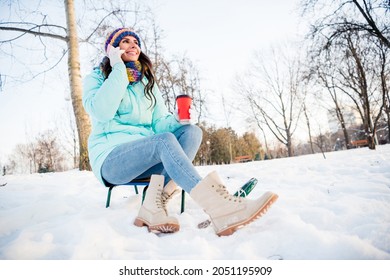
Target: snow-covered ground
{"type": "Point", "coordinates": [336, 208]}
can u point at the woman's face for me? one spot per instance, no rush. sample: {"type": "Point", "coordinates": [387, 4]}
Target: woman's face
{"type": "Point", "coordinates": [131, 47]}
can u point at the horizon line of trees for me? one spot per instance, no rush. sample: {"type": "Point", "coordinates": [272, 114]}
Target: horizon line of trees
{"type": "Point", "coordinates": [220, 145]}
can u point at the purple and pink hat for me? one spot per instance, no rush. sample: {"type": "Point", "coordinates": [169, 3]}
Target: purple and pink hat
{"type": "Point", "coordinates": [117, 35]}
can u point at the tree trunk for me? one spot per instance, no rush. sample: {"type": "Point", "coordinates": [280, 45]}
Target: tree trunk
{"type": "Point", "coordinates": [82, 119]}
{"type": "Point", "coordinates": [340, 117]}
{"type": "Point", "coordinates": [308, 128]}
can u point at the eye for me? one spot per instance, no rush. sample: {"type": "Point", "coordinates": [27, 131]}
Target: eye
{"type": "Point", "coordinates": [128, 41]}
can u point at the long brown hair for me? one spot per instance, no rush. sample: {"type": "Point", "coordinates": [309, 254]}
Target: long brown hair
{"type": "Point", "coordinates": [146, 71]}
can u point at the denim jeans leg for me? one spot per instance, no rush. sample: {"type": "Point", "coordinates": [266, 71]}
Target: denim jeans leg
{"type": "Point", "coordinates": [189, 138]}
{"type": "Point", "coordinates": [135, 159]}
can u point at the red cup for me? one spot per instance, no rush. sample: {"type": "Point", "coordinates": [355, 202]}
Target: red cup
{"type": "Point", "coordinates": [183, 107]}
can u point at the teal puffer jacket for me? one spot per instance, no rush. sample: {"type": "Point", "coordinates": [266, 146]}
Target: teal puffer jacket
{"type": "Point", "coordinates": [120, 113]}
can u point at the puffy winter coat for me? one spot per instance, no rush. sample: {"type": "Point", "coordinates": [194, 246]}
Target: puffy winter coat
{"type": "Point", "coordinates": [120, 113]}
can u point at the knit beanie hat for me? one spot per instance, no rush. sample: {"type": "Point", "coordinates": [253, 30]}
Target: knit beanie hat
{"type": "Point", "coordinates": [117, 35]}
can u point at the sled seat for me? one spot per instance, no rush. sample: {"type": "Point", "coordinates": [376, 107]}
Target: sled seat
{"type": "Point", "coordinates": [140, 182]}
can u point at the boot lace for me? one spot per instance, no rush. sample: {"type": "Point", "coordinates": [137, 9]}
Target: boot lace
{"type": "Point", "coordinates": [221, 189]}
{"type": "Point", "coordinates": [160, 201]}
{"type": "Point", "coordinates": [165, 198]}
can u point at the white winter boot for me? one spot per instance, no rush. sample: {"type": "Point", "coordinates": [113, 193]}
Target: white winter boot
{"type": "Point", "coordinates": [153, 212]}
{"type": "Point", "coordinates": [227, 212]}
{"type": "Point", "coordinates": [170, 190]}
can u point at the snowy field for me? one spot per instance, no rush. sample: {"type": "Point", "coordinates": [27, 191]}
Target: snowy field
{"type": "Point", "coordinates": [336, 208]}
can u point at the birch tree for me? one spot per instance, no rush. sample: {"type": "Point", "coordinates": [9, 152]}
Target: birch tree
{"type": "Point", "coordinates": [69, 36]}
{"type": "Point", "coordinates": [40, 28]}
{"type": "Point", "coordinates": [82, 119]}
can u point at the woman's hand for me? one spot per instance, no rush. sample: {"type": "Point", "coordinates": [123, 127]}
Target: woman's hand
{"type": "Point", "coordinates": [114, 54]}
{"type": "Point", "coordinates": [193, 116]}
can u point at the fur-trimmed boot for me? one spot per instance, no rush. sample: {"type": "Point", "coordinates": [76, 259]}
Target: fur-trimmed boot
{"type": "Point", "coordinates": [153, 212]}
{"type": "Point", "coordinates": [227, 212]}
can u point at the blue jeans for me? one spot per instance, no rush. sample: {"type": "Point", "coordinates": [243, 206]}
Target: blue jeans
{"type": "Point", "coordinates": [168, 154]}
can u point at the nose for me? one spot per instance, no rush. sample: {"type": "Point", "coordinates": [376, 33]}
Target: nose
{"type": "Point", "coordinates": [133, 45]}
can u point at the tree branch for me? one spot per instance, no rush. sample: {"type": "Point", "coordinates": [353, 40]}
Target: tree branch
{"type": "Point", "coordinates": [371, 22]}
{"type": "Point", "coordinates": [32, 32]}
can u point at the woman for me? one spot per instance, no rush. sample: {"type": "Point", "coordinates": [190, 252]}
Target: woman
{"type": "Point", "coordinates": [134, 136]}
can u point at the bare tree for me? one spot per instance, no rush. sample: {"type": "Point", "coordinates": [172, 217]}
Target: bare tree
{"type": "Point", "coordinates": [42, 154]}
{"type": "Point", "coordinates": [275, 102]}
{"type": "Point", "coordinates": [323, 142]}
{"type": "Point", "coordinates": [95, 20]}
{"type": "Point", "coordinates": [323, 71]}
{"type": "Point", "coordinates": [384, 73]}
{"type": "Point", "coordinates": [67, 135]}
{"type": "Point", "coordinates": [349, 36]}
{"type": "Point", "coordinates": [180, 76]}
{"type": "Point", "coordinates": [364, 16]}
{"type": "Point", "coordinates": [359, 83]}
{"type": "Point", "coordinates": [82, 118]}
{"type": "Point", "coordinates": [49, 156]}
{"type": "Point", "coordinates": [174, 75]}
{"type": "Point", "coordinates": [307, 119]}
{"type": "Point", "coordinates": [189, 83]}
{"type": "Point", "coordinates": [102, 17]}
{"type": "Point", "coordinates": [165, 74]}
{"type": "Point", "coordinates": [69, 36]}
{"type": "Point", "coordinates": [19, 161]}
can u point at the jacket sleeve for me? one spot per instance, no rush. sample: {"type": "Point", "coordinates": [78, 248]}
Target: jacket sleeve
{"type": "Point", "coordinates": [163, 121]}
{"type": "Point", "coordinates": [101, 98]}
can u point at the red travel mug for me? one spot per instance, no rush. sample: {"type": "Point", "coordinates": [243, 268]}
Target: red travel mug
{"type": "Point", "coordinates": [183, 107]}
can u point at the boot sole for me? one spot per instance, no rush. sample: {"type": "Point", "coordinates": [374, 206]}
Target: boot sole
{"type": "Point", "coordinates": [259, 213]}
{"type": "Point", "coordinates": [161, 228]}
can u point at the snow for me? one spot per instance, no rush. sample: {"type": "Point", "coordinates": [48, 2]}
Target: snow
{"type": "Point", "coordinates": [333, 208]}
